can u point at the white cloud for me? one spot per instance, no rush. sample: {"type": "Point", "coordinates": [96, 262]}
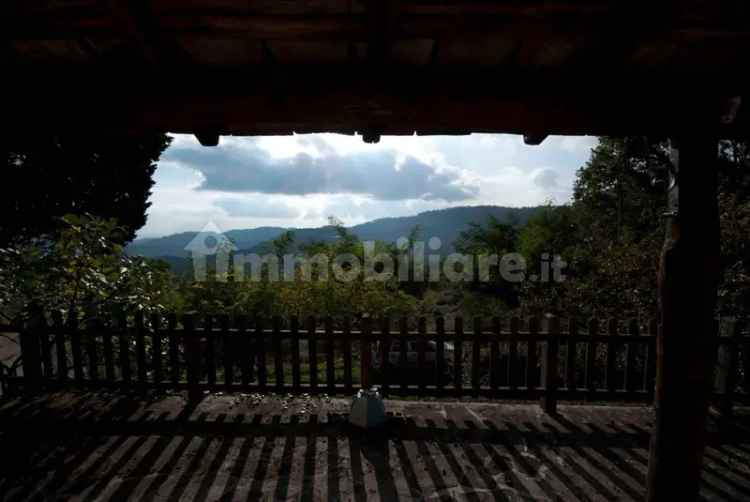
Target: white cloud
{"type": "Point", "coordinates": [256, 207]}
{"type": "Point", "coordinates": [384, 174]}
{"type": "Point", "coordinates": [251, 182]}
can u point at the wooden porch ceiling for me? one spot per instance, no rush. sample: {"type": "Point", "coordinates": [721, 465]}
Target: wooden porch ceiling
{"type": "Point", "coordinates": [378, 67]}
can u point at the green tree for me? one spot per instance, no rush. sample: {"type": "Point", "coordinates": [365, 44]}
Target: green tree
{"type": "Point", "coordinates": [609, 236]}
{"type": "Point", "coordinates": [80, 267]}
{"type": "Point", "coordinates": [49, 176]}
{"type": "Point", "coordinates": [492, 238]}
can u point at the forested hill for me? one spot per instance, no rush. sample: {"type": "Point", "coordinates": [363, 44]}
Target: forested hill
{"type": "Point", "coordinates": [174, 245]}
{"type": "Point", "coordinates": [445, 224]}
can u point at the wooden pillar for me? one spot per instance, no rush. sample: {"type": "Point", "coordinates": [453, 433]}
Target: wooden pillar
{"type": "Point", "coordinates": [726, 370]}
{"type": "Point", "coordinates": [688, 280]}
{"type": "Point", "coordinates": [550, 363]}
{"type": "Point", "coordinates": [31, 350]}
{"type": "Point", "coordinates": [192, 359]}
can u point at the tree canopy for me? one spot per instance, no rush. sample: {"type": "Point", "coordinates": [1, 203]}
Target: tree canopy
{"type": "Point", "coordinates": [49, 176]}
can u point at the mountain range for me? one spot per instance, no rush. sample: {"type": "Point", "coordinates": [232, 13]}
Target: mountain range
{"type": "Point", "coordinates": [446, 224]}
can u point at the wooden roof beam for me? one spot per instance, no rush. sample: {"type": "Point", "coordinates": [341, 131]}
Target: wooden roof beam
{"type": "Point", "coordinates": [157, 48]}
{"type": "Point", "coordinates": [394, 25]}
{"type": "Point", "coordinates": [206, 138]}
{"type": "Point", "coordinates": [382, 16]}
{"type": "Point", "coordinates": [370, 136]}
{"type": "Point", "coordinates": [363, 110]}
{"type": "Point", "coordinates": [534, 139]}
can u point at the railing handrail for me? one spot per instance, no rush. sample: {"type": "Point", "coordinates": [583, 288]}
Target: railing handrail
{"type": "Point", "coordinates": [548, 360]}
{"type": "Point", "coordinates": [503, 335]}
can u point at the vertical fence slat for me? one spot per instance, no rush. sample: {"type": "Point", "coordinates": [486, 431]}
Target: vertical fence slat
{"type": "Point", "coordinates": [384, 353]}
{"type": "Point", "coordinates": [156, 335]}
{"type": "Point", "coordinates": [278, 362]}
{"type": "Point", "coordinates": [330, 356]}
{"type": "Point", "coordinates": [174, 349]}
{"type": "Point", "coordinates": [260, 343]}
{"type": "Point", "coordinates": [727, 360]}
{"type": "Point", "coordinates": [650, 380]}
{"type": "Point", "coordinates": [294, 331]}
{"type": "Point", "coordinates": [3, 383]}
{"type": "Point", "coordinates": [347, 350]}
{"type": "Point", "coordinates": [364, 353]}
{"type": "Point", "coordinates": [458, 356]}
{"type": "Point", "coordinates": [245, 343]}
{"type": "Point", "coordinates": [30, 351]}
{"type": "Point", "coordinates": [46, 348]}
{"type": "Point", "coordinates": [476, 348]}
{"type": "Point", "coordinates": [61, 353]}
{"type": "Point", "coordinates": [109, 357]}
{"type": "Point", "coordinates": [403, 341]}
{"type": "Point", "coordinates": [75, 346]}
{"type": "Point", "coordinates": [513, 366]}
{"type": "Point", "coordinates": [123, 346]}
{"type": "Point", "coordinates": [312, 353]}
{"type": "Point", "coordinates": [570, 356]}
{"type": "Point", "coordinates": [421, 343]}
{"type": "Point", "coordinates": [440, 354]}
{"type": "Point", "coordinates": [228, 343]}
{"type": "Point", "coordinates": [210, 344]}
{"type": "Point", "coordinates": [630, 357]}
{"type": "Point", "coordinates": [192, 358]}
{"type": "Point", "coordinates": [550, 372]}
{"type": "Point", "coordinates": [531, 358]}
{"type": "Point", "coordinates": [495, 356]}
{"type": "Point", "coordinates": [140, 348]}
{"type": "Point", "coordinates": [611, 377]}
{"type": "Point", "coordinates": [591, 358]}
{"type": "Point", "coordinates": [92, 349]}
{"type": "Point", "coordinates": [98, 363]}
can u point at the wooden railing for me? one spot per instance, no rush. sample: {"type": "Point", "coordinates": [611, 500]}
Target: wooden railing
{"type": "Point", "coordinates": [514, 359]}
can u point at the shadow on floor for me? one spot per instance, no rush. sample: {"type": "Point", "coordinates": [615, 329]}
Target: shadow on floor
{"type": "Point", "coordinates": [458, 452]}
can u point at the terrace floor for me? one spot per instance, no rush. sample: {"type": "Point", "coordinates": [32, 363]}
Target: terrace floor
{"type": "Point", "coordinates": [109, 446]}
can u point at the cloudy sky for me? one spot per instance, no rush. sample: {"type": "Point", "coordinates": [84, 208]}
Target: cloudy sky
{"type": "Point", "coordinates": [299, 181]}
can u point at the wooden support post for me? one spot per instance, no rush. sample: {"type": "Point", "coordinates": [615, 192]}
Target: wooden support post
{"type": "Point", "coordinates": [75, 345]}
{"type": "Point", "coordinates": [140, 350]}
{"type": "Point", "coordinates": [458, 356]}
{"type": "Point", "coordinates": [403, 357]}
{"type": "Point", "coordinates": [296, 377]}
{"type": "Point", "coordinates": [688, 279]}
{"type": "Point", "coordinates": [384, 354]}
{"type": "Point", "coordinates": [278, 355]}
{"type": "Point", "coordinates": [330, 356]}
{"type": "Point", "coordinates": [347, 351]}
{"type": "Point", "coordinates": [312, 353]}
{"type": "Point", "coordinates": [109, 357]}
{"type": "Point", "coordinates": [61, 356]}
{"type": "Point", "coordinates": [92, 330]}
{"type": "Point", "coordinates": [365, 356]}
{"type": "Point", "coordinates": [30, 351]}
{"type": "Point", "coordinates": [123, 346]}
{"type": "Point", "coordinates": [421, 346]}
{"type": "Point", "coordinates": [228, 342]}
{"type": "Point", "coordinates": [156, 336]}
{"type": "Point", "coordinates": [192, 359]}
{"type": "Point", "coordinates": [548, 401]}
{"type": "Point", "coordinates": [726, 370]}
{"type": "Point", "coordinates": [3, 384]}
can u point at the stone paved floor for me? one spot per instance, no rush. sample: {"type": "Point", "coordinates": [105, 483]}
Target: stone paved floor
{"type": "Point", "coordinates": [76, 446]}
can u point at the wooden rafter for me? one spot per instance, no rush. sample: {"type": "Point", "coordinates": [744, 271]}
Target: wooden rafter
{"type": "Point", "coordinates": [559, 67]}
